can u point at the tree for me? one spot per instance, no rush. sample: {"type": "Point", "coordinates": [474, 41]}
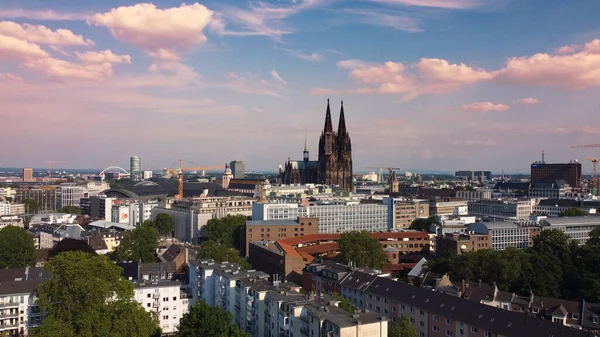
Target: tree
{"type": "Point", "coordinates": [87, 296]}
{"type": "Point", "coordinates": [226, 230]}
{"type": "Point", "coordinates": [71, 210]}
{"type": "Point", "coordinates": [420, 224]}
{"type": "Point", "coordinates": [219, 252]}
{"type": "Point", "coordinates": [204, 320]}
{"type": "Point", "coordinates": [403, 328]}
{"type": "Point", "coordinates": [345, 304]}
{"type": "Point", "coordinates": [360, 249]}
{"type": "Point", "coordinates": [573, 212]}
{"type": "Point", "coordinates": [31, 206]}
{"type": "Point", "coordinates": [16, 248]}
{"type": "Point", "coordinates": [139, 244]}
{"type": "Point", "coordinates": [163, 223]}
{"type": "Point", "coordinates": [71, 245]}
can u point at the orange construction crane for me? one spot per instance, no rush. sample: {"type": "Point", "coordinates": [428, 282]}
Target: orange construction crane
{"type": "Point", "coordinates": [179, 172]}
{"type": "Point", "coordinates": [50, 162]}
{"type": "Point", "coordinates": [595, 177]}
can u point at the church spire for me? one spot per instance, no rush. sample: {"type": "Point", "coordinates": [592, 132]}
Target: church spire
{"type": "Point", "coordinates": [342, 124]}
{"type": "Point", "coordinates": [328, 124]}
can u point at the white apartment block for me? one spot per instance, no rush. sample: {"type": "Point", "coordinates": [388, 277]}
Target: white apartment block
{"type": "Point", "coordinates": [165, 299]}
{"type": "Point", "coordinates": [576, 227]}
{"type": "Point", "coordinates": [133, 213]}
{"type": "Point", "coordinates": [18, 312]}
{"type": "Point", "coordinates": [337, 218]}
{"type": "Point", "coordinates": [70, 195]}
{"type": "Point", "coordinates": [503, 209]}
{"type": "Point", "coordinates": [4, 208]}
{"type": "Point", "coordinates": [10, 220]}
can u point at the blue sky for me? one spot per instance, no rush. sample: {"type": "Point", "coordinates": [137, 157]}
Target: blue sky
{"type": "Point", "coordinates": [427, 84]}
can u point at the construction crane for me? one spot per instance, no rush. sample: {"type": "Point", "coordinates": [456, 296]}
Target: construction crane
{"type": "Point", "coordinates": [179, 172]}
{"type": "Point", "coordinates": [380, 175]}
{"type": "Point", "coordinates": [595, 176]}
{"type": "Point", "coordinates": [50, 162]}
{"type": "Point", "coordinates": [584, 146]}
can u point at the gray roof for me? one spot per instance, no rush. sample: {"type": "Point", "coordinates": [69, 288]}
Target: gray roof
{"type": "Point", "coordinates": [572, 220]}
{"type": "Point", "coordinates": [340, 317]}
{"type": "Point", "coordinates": [156, 284]}
{"type": "Point", "coordinates": [358, 280]}
{"type": "Point", "coordinates": [496, 320]}
{"type": "Point", "coordinates": [19, 287]}
{"type": "Point", "coordinates": [23, 274]}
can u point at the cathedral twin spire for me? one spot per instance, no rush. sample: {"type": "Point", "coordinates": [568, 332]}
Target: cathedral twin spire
{"type": "Point", "coordinates": [329, 125]}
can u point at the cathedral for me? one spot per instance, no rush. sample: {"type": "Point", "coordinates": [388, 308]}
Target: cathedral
{"type": "Point", "coordinates": [334, 164]}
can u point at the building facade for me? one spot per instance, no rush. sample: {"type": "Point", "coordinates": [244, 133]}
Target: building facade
{"type": "Point", "coordinates": [569, 172]}
{"type": "Point", "coordinates": [165, 299]}
{"type": "Point", "coordinates": [502, 209]}
{"type": "Point", "coordinates": [238, 168]}
{"type": "Point", "coordinates": [27, 174]}
{"type": "Point", "coordinates": [334, 164]}
{"type": "Point", "coordinates": [135, 167]}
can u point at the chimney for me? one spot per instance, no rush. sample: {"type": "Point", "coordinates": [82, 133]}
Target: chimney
{"type": "Point", "coordinates": [530, 298]}
{"type": "Point", "coordinates": [462, 288]}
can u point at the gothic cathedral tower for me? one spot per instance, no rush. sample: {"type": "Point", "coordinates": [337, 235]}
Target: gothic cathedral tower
{"type": "Point", "coordinates": [335, 153]}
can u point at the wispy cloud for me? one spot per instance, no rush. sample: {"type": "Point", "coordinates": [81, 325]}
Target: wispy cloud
{"type": "Point", "coordinates": [42, 15]}
{"type": "Point", "coordinates": [528, 100]}
{"type": "Point", "coordinates": [304, 55]}
{"type": "Point", "coordinates": [446, 4]}
{"type": "Point", "coordinates": [485, 107]}
{"type": "Point", "coordinates": [387, 18]}
{"type": "Point", "coordinates": [278, 78]}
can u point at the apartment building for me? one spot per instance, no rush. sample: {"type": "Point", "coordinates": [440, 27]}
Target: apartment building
{"type": "Point", "coordinates": [4, 208]}
{"type": "Point", "coordinates": [354, 285]}
{"type": "Point", "coordinates": [10, 220]}
{"type": "Point", "coordinates": [402, 213]}
{"type": "Point", "coordinates": [18, 293]}
{"type": "Point", "coordinates": [577, 228]}
{"type": "Point", "coordinates": [459, 243]}
{"type": "Point", "coordinates": [165, 299]}
{"type": "Point", "coordinates": [271, 230]}
{"type": "Point", "coordinates": [506, 234]}
{"type": "Point", "coordinates": [502, 209]}
{"type": "Point", "coordinates": [333, 218]}
{"type": "Point", "coordinates": [45, 196]}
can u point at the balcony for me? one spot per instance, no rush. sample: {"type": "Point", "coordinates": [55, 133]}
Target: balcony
{"type": "Point", "coordinates": [155, 304]}
{"type": "Point", "coordinates": [305, 331]}
{"type": "Point", "coordinates": [8, 314]}
{"type": "Point", "coordinates": [156, 295]}
{"type": "Point", "coordinates": [9, 305]}
{"type": "Point", "coordinates": [305, 319]}
{"type": "Point", "coordinates": [8, 326]}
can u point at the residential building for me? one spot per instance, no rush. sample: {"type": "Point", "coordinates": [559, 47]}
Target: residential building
{"type": "Point", "coordinates": [333, 218]}
{"type": "Point", "coordinates": [354, 285]}
{"type": "Point", "coordinates": [166, 299]}
{"type": "Point", "coordinates": [10, 220]}
{"type": "Point", "coordinates": [569, 172]}
{"type": "Point", "coordinates": [135, 167]}
{"type": "Point", "coordinates": [554, 189]}
{"type": "Point", "coordinates": [17, 209]}
{"type": "Point", "coordinates": [8, 192]}
{"type": "Point", "coordinates": [27, 174]}
{"type": "Point", "coordinates": [511, 209]}
{"type": "Point", "coordinates": [4, 208]}
{"type": "Point", "coordinates": [98, 207]}
{"type": "Point", "coordinates": [18, 294]}
{"type": "Point", "coordinates": [238, 169]}
{"type": "Point", "coordinates": [401, 213]}
{"type": "Point", "coordinates": [577, 228]}
{"type": "Point", "coordinates": [271, 230]}
{"type": "Point", "coordinates": [459, 243]}
{"type": "Point", "coordinates": [506, 234]}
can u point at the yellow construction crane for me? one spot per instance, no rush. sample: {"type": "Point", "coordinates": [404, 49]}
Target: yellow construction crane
{"type": "Point", "coordinates": [594, 177]}
{"type": "Point", "coordinates": [179, 172]}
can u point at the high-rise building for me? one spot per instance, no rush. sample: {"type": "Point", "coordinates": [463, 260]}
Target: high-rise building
{"type": "Point", "coordinates": [135, 167]}
{"type": "Point", "coordinates": [27, 174]}
{"type": "Point", "coordinates": [238, 169]}
{"type": "Point", "coordinates": [569, 172]}
{"type": "Point", "coordinates": [147, 175]}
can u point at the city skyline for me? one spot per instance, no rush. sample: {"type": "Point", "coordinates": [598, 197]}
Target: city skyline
{"type": "Point", "coordinates": [431, 84]}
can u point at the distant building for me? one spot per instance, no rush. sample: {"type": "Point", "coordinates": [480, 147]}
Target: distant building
{"type": "Point", "coordinates": [4, 208]}
{"type": "Point", "coordinates": [147, 175]}
{"type": "Point", "coordinates": [459, 243]}
{"type": "Point", "coordinates": [70, 195]}
{"type": "Point", "coordinates": [27, 174]}
{"type": "Point", "coordinates": [238, 169]}
{"type": "Point", "coordinates": [577, 228]}
{"type": "Point", "coordinates": [271, 230]}
{"type": "Point", "coordinates": [569, 172]}
{"type": "Point", "coordinates": [135, 167]}
{"type": "Point", "coordinates": [549, 188]}
{"type": "Point", "coordinates": [502, 209]}
{"type": "Point", "coordinates": [227, 176]}
{"type": "Point", "coordinates": [45, 196]}
{"type": "Point", "coordinates": [506, 234]}
{"type": "Point", "coordinates": [473, 175]}
{"type": "Point", "coordinates": [402, 213]}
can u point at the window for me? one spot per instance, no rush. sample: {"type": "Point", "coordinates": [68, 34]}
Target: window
{"type": "Point", "coordinates": [487, 334]}
{"type": "Point", "coordinates": [402, 307]}
{"type": "Point", "coordinates": [473, 329]}
{"type": "Point", "coordinates": [421, 334]}
{"type": "Point", "coordinates": [448, 333]}
{"type": "Point", "coordinates": [377, 309]}
{"type": "Point", "coordinates": [435, 317]}
{"type": "Point", "coordinates": [461, 332]}
{"type": "Point", "coordinates": [378, 298]}
{"type": "Point", "coordinates": [385, 301]}
{"type": "Point", "coordinates": [448, 321]}
{"type": "Point", "coordinates": [434, 328]}
{"type": "Point", "coordinates": [393, 309]}
{"type": "Point", "coordinates": [421, 313]}
{"type": "Point", "coordinates": [148, 296]}
{"type": "Point", "coordinates": [421, 323]}
{"type": "Point", "coordinates": [174, 298]}
{"type": "Point", "coordinates": [412, 309]}
{"type": "Point", "coordinates": [412, 320]}
{"type": "Point", "coordinates": [385, 311]}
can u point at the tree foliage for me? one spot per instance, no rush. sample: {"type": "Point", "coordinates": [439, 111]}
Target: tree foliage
{"type": "Point", "coordinates": [361, 250]}
{"type": "Point", "coordinates": [87, 296]}
{"type": "Point", "coordinates": [139, 244]}
{"type": "Point", "coordinates": [163, 223]}
{"type": "Point", "coordinates": [345, 304]}
{"type": "Point", "coordinates": [204, 320]}
{"type": "Point", "coordinates": [555, 266]}
{"type": "Point", "coordinates": [31, 206]}
{"type": "Point", "coordinates": [573, 212]}
{"type": "Point", "coordinates": [226, 230]}
{"type": "Point", "coordinates": [403, 328]}
{"type": "Point", "coordinates": [16, 248]}
{"type": "Point", "coordinates": [420, 224]}
{"type": "Point", "coordinates": [71, 210]}
{"type": "Point", "coordinates": [71, 245]}
{"type": "Point", "coordinates": [220, 252]}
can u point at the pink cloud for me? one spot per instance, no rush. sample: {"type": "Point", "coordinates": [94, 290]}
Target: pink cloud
{"type": "Point", "coordinates": [566, 49]}
{"type": "Point", "coordinates": [64, 69]}
{"type": "Point", "coordinates": [278, 78]}
{"type": "Point", "coordinates": [527, 100]}
{"type": "Point", "coordinates": [446, 4]}
{"type": "Point", "coordinates": [10, 77]}
{"type": "Point", "coordinates": [163, 33]}
{"type": "Point", "coordinates": [42, 35]}
{"type": "Point", "coordinates": [325, 91]}
{"type": "Point", "coordinates": [105, 56]}
{"type": "Point", "coordinates": [13, 49]}
{"type": "Point", "coordinates": [485, 107]}
{"type": "Point", "coordinates": [46, 15]}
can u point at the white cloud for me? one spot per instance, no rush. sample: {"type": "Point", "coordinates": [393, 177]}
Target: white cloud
{"type": "Point", "coordinates": [301, 54]}
{"type": "Point", "coordinates": [276, 76]}
{"type": "Point", "coordinates": [527, 100]}
{"type": "Point", "coordinates": [485, 107]}
{"type": "Point", "coordinates": [44, 15]}
{"type": "Point", "coordinates": [446, 4]}
{"type": "Point", "coordinates": [11, 77]}
{"type": "Point", "coordinates": [13, 49]}
{"type": "Point", "coordinates": [105, 56]}
{"type": "Point", "coordinates": [42, 35]}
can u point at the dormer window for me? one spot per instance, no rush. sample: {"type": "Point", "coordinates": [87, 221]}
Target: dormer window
{"type": "Point", "coordinates": [595, 319]}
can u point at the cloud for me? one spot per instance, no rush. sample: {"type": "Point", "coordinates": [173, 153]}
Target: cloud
{"type": "Point", "coordinates": [163, 33]}
{"type": "Point", "coordinates": [44, 15]}
{"type": "Point", "coordinates": [64, 69]}
{"type": "Point", "coordinates": [301, 54]}
{"type": "Point", "coordinates": [527, 100]}
{"type": "Point", "coordinates": [392, 19]}
{"type": "Point", "coordinates": [567, 49]}
{"type": "Point", "coordinates": [488, 142]}
{"type": "Point", "coordinates": [250, 84]}
{"type": "Point", "coordinates": [10, 77]}
{"type": "Point", "coordinates": [105, 56]}
{"type": "Point", "coordinates": [13, 49]}
{"type": "Point", "coordinates": [485, 107]}
{"type": "Point", "coordinates": [276, 76]}
{"type": "Point", "coordinates": [42, 35]}
{"type": "Point", "coordinates": [446, 4]}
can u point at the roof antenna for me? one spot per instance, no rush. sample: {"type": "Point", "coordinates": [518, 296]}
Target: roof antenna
{"type": "Point", "coordinates": [543, 162]}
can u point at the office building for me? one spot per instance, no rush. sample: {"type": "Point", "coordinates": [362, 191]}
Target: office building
{"type": "Point", "coordinates": [4, 208]}
{"type": "Point", "coordinates": [45, 196]}
{"type": "Point", "coordinates": [135, 167]}
{"type": "Point", "coordinates": [147, 175]}
{"type": "Point", "coordinates": [512, 209]}
{"type": "Point", "coordinates": [577, 228]}
{"type": "Point", "coordinates": [502, 235]}
{"type": "Point", "coordinates": [569, 172]}
{"type": "Point", "coordinates": [70, 195]}
{"type": "Point", "coordinates": [401, 213]}
{"type": "Point", "coordinates": [447, 206]}
{"type": "Point", "coordinates": [459, 243]}
{"type": "Point", "coordinates": [548, 188]}
{"type": "Point", "coordinates": [238, 169]}
{"type": "Point", "coordinates": [27, 174]}
{"type": "Point", "coordinates": [132, 212]}
{"type": "Point", "coordinates": [98, 207]}
{"type": "Point", "coordinates": [271, 230]}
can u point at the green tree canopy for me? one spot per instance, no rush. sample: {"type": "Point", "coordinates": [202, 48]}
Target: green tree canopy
{"type": "Point", "coordinates": [345, 304]}
{"type": "Point", "coordinates": [139, 244]}
{"type": "Point", "coordinates": [31, 206]}
{"type": "Point", "coordinates": [163, 223]}
{"type": "Point", "coordinates": [420, 224]}
{"type": "Point", "coordinates": [360, 249]}
{"type": "Point", "coordinates": [71, 209]}
{"type": "Point", "coordinates": [220, 252]}
{"type": "Point", "coordinates": [87, 296]}
{"type": "Point", "coordinates": [403, 328]}
{"type": "Point", "coordinates": [16, 248]}
{"type": "Point", "coordinates": [204, 320]}
{"type": "Point", "coordinates": [573, 212]}
{"type": "Point", "coordinates": [226, 230]}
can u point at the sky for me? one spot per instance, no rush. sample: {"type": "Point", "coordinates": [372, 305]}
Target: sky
{"type": "Point", "coordinates": [426, 84]}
